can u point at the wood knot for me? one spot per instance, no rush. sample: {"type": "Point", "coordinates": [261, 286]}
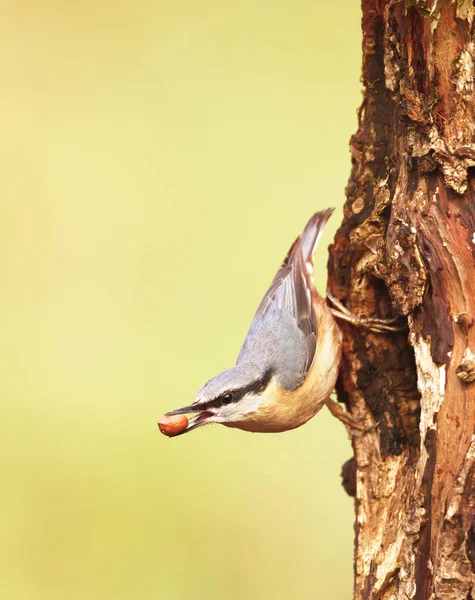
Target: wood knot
{"type": "Point", "coordinates": [466, 368]}
{"type": "Point", "coordinates": [357, 206]}
{"type": "Point", "coordinates": [464, 321]}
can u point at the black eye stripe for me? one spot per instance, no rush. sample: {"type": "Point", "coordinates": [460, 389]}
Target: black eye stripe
{"type": "Point", "coordinates": [238, 393]}
{"type": "Point", "coordinates": [256, 387]}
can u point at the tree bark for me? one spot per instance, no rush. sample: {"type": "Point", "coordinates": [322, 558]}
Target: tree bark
{"type": "Point", "coordinates": [407, 247]}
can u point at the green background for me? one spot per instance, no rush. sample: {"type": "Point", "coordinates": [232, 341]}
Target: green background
{"type": "Point", "coordinates": [157, 160]}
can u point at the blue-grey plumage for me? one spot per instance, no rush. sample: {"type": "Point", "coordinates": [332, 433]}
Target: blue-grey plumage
{"type": "Point", "coordinates": [283, 334]}
{"type": "Point", "coordinates": [288, 364]}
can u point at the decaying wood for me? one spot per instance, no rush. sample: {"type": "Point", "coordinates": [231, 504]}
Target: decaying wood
{"type": "Point", "coordinates": [407, 247]}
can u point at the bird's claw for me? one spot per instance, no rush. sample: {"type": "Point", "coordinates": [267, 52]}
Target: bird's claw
{"type": "Point", "coordinates": [353, 426]}
{"type": "Point", "coordinates": [373, 324]}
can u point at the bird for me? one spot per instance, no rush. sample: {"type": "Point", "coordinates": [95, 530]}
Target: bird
{"type": "Point", "coordinates": [289, 362]}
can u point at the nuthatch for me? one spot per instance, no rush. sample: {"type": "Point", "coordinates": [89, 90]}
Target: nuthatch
{"type": "Point", "coordinates": [289, 362]}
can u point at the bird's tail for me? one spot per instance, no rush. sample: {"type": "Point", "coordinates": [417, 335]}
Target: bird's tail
{"type": "Point", "coordinates": [312, 232]}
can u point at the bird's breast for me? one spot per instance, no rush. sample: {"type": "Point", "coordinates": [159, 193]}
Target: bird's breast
{"type": "Point", "coordinates": [281, 409]}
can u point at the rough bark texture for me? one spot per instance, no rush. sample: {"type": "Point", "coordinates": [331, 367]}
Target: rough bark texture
{"type": "Point", "coordinates": [407, 247]}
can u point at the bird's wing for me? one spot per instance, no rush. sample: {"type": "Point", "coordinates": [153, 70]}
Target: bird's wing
{"type": "Point", "coordinates": [291, 293]}
{"type": "Point", "coordinates": [288, 306]}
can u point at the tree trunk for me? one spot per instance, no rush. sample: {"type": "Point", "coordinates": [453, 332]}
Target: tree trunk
{"type": "Point", "coordinates": [407, 247]}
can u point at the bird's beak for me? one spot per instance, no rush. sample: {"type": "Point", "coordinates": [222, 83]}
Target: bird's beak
{"type": "Point", "coordinates": [202, 418]}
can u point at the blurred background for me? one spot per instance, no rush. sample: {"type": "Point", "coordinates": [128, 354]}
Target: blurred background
{"type": "Point", "coordinates": [157, 160]}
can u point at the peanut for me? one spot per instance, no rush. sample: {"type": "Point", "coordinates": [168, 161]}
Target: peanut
{"type": "Point", "coordinates": [173, 424]}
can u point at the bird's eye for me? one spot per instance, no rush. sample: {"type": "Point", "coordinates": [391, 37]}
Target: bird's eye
{"type": "Point", "coordinates": [227, 398]}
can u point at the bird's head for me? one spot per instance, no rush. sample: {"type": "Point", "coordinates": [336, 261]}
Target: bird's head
{"type": "Point", "coordinates": [231, 398]}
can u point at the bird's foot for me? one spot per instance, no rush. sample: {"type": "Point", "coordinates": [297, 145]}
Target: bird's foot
{"type": "Point", "coordinates": [373, 324]}
{"type": "Point", "coordinates": [353, 426]}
